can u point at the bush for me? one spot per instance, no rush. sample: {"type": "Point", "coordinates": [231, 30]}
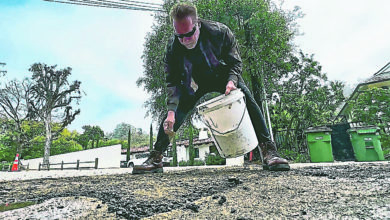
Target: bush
{"type": "Point", "coordinates": [198, 163]}
{"type": "Point", "coordinates": [183, 163]}
{"type": "Point", "coordinates": [7, 149]}
{"type": "Point", "coordinates": [188, 163]}
{"type": "Point", "coordinates": [7, 165]}
{"type": "Point", "coordinates": [28, 157]}
{"type": "Point", "coordinates": [215, 159]}
{"type": "Point", "coordinates": [111, 142]}
{"type": "Point", "coordinates": [294, 156]}
{"type": "Point", "coordinates": [171, 164]}
{"type": "Point", "coordinates": [63, 146]}
{"type": "Point", "coordinates": [385, 143]}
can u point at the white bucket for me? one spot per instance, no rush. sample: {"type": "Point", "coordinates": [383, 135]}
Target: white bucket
{"type": "Point", "coordinates": [228, 120]}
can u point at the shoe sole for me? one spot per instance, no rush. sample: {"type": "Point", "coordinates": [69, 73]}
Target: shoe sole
{"type": "Point", "coordinates": [158, 170]}
{"type": "Point", "coordinates": [277, 167]}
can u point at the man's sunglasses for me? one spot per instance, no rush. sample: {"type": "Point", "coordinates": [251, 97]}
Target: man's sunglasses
{"type": "Point", "coordinates": [189, 34]}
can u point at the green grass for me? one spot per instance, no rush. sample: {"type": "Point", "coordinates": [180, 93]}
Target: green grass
{"type": "Point", "coordinates": [11, 206]}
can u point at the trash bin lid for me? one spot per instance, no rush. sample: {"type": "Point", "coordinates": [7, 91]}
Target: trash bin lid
{"type": "Point", "coordinates": [364, 130]}
{"type": "Point", "coordinates": [318, 129]}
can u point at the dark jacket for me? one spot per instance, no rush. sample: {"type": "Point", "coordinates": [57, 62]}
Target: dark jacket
{"type": "Point", "coordinates": [219, 47]}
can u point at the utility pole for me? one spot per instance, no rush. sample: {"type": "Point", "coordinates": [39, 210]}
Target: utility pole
{"type": "Point", "coordinates": [118, 4]}
{"type": "Point", "coordinates": [265, 103]}
{"type": "Point", "coordinates": [2, 72]}
{"type": "Point", "coordinates": [268, 115]}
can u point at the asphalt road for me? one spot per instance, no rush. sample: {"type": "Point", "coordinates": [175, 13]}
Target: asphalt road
{"type": "Point", "coordinates": [308, 191]}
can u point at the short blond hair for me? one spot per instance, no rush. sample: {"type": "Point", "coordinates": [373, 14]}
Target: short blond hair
{"type": "Point", "coordinates": [182, 10]}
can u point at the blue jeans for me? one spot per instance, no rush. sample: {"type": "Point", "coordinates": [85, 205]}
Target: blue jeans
{"type": "Point", "coordinates": [187, 103]}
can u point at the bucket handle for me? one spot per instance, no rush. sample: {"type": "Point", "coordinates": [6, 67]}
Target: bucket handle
{"type": "Point", "coordinates": [222, 133]}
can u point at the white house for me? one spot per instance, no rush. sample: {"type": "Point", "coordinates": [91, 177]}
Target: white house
{"type": "Point", "coordinates": [380, 79]}
{"type": "Point", "coordinates": [203, 145]}
{"type": "Point", "coordinates": [202, 148]}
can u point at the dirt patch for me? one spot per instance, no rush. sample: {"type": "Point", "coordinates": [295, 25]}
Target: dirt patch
{"type": "Point", "coordinates": [350, 191]}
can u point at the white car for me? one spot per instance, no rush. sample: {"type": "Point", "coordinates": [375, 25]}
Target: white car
{"type": "Point", "coordinates": [140, 158]}
{"type": "Point", "coordinates": [167, 161]}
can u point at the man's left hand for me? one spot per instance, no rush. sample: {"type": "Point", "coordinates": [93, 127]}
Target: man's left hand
{"type": "Point", "coordinates": [230, 87]}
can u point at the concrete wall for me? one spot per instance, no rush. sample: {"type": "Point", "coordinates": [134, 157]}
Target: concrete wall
{"type": "Point", "coordinates": [183, 153]}
{"type": "Point", "coordinates": [203, 150]}
{"type": "Point", "coordinates": [238, 161]}
{"type": "Point", "coordinates": [109, 157]}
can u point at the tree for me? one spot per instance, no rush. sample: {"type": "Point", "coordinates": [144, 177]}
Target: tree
{"type": "Point", "coordinates": [65, 143]}
{"type": "Point", "coordinates": [263, 31]}
{"type": "Point", "coordinates": [372, 107]}
{"type": "Point", "coordinates": [8, 143]}
{"type": "Point", "coordinates": [151, 138]}
{"type": "Point", "coordinates": [14, 106]}
{"type": "Point", "coordinates": [305, 98]}
{"type": "Point", "coordinates": [121, 131]}
{"type": "Point", "coordinates": [137, 137]}
{"type": "Point", "coordinates": [83, 140]}
{"type": "Point", "coordinates": [97, 135]}
{"type": "Point", "coordinates": [271, 69]}
{"type": "Point", "coordinates": [52, 99]}
{"type": "Point", "coordinates": [91, 133]}
{"type": "Point", "coordinates": [153, 80]}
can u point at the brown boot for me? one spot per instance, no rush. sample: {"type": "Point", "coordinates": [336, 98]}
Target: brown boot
{"type": "Point", "coordinates": [153, 164]}
{"type": "Point", "coordinates": [271, 158]}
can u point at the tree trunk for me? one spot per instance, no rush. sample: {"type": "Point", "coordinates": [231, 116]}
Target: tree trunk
{"type": "Point", "coordinates": [19, 148]}
{"type": "Point", "coordinates": [151, 138]}
{"type": "Point", "coordinates": [48, 139]}
{"type": "Point", "coordinates": [19, 144]}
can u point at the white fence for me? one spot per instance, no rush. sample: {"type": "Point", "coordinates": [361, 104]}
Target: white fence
{"type": "Point", "coordinates": [109, 157]}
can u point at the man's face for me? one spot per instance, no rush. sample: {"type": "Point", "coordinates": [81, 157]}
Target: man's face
{"type": "Point", "coordinates": [187, 32]}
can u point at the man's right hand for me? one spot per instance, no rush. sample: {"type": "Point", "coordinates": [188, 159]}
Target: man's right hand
{"type": "Point", "coordinates": [168, 123]}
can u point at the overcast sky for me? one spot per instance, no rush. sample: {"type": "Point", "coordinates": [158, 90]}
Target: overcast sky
{"type": "Point", "coordinates": [350, 38]}
{"type": "Point", "coordinates": [104, 47]}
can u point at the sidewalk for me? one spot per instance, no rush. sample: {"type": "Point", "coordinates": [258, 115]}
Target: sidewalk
{"type": "Point", "coordinates": [33, 174]}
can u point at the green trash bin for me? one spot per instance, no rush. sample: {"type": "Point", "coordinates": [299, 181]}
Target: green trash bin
{"type": "Point", "coordinates": [319, 144]}
{"type": "Point", "coordinates": [366, 143]}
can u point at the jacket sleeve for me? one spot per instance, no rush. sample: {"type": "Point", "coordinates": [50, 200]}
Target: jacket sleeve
{"type": "Point", "coordinates": [231, 56]}
{"type": "Point", "coordinates": [172, 80]}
